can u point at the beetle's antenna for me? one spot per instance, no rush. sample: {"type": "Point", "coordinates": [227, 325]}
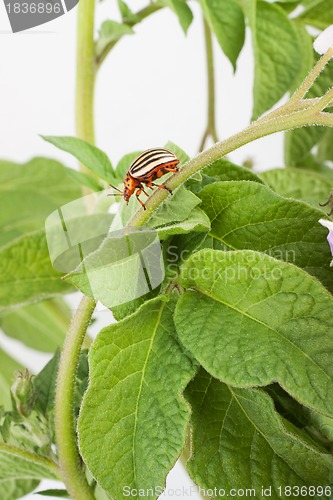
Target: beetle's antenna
{"type": "Point", "coordinates": [116, 194]}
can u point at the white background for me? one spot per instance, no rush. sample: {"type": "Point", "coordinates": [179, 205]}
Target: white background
{"type": "Point", "coordinates": [151, 89]}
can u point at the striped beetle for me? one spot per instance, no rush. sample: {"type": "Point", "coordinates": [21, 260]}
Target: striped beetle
{"type": "Point", "coordinates": [148, 166]}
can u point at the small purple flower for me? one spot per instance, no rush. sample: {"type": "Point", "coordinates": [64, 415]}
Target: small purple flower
{"type": "Point", "coordinates": [329, 225]}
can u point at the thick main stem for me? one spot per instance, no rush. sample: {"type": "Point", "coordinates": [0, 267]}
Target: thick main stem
{"type": "Point", "coordinates": [65, 422]}
{"type": "Point", "coordinates": [85, 72]}
{"type": "Point", "coordinates": [69, 457]}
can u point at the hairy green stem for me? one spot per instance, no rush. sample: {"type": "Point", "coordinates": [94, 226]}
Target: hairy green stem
{"type": "Point", "coordinates": [45, 462]}
{"type": "Point", "coordinates": [69, 458]}
{"type": "Point", "coordinates": [138, 17]}
{"type": "Point", "coordinates": [211, 122]}
{"type": "Point", "coordinates": [255, 131]}
{"type": "Point", "coordinates": [73, 473]}
{"type": "Point", "coordinates": [309, 80]}
{"type": "Point", "coordinates": [85, 72]}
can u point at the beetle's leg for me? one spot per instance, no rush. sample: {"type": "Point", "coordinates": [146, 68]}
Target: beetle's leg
{"type": "Point", "coordinates": [145, 191]}
{"type": "Point", "coordinates": [137, 194]}
{"type": "Point", "coordinates": [161, 186]}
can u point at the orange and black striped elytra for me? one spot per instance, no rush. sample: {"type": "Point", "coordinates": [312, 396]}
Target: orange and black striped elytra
{"type": "Point", "coordinates": [144, 170]}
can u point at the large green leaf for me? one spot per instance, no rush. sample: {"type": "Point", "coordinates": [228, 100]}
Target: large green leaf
{"type": "Point", "coordinates": [30, 192]}
{"type": "Point", "coordinates": [306, 185]}
{"type": "Point", "coordinates": [7, 375]}
{"type": "Point", "coordinates": [251, 320]}
{"type": "Point", "coordinates": [276, 54]}
{"type": "Point", "coordinates": [248, 446]}
{"type": "Point", "coordinates": [319, 14]}
{"type": "Point", "coordinates": [133, 420]}
{"type": "Point", "coordinates": [226, 19]}
{"type": "Point", "coordinates": [26, 273]}
{"type": "Point", "coordinates": [299, 142]}
{"type": "Point", "coordinates": [92, 157]}
{"type": "Point", "coordinates": [248, 215]}
{"type": "Point", "coordinates": [110, 31]}
{"type": "Point", "coordinates": [42, 326]}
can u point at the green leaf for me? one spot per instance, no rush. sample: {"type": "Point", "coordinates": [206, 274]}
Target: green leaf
{"type": "Point", "coordinates": [276, 55]}
{"type": "Point", "coordinates": [306, 185]}
{"type": "Point", "coordinates": [176, 208]}
{"type": "Point", "coordinates": [84, 179]}
{"type": "Point", "coordinates": [26, 273]}
{"type": "Point", "coordinates": [306, 56]}
{"type": "Point", "coordinates": [92, 157]}
{"type": "Point", "coordinates": [226, 19]}
{"type": "Point", "coordinates": [133, 420]}
{"type": "Point", "coordinates": [30, 192]}
{"type": "Point", "coordinates": [127, 14]}
{"type": "Point", "coordinates": [318, 14]}
{"type": "Point", "coordinates": [44, 384]}
{"type": "Point", "coordinates": [299, 142]}
{"type": "Point", "coordinates": [110, 31]}
{"type": "Point", "coordinates": [12, 489]}
{"type": "Point", "coordinates": [251, 320]}
{"type": "Point", "coordinates": [248, 215]}
{"type": "Point", "coordinates": [325, 147]}
{"type": "Point", "coordinates": [54, 493]}
{"type": "Point", "coordinates": [20, 464]}
{"type": "Point", "coordinates": [7, 374]}
{"type": "Point", "coordinates": [197, 221]}
{"type": "Point", "coordinates": [182, 11]}
{"type": "Point", "coordinates": [225, 170]}
{"type": "Point", "coordinates": [41, 326]}
{"type": "Point", "coordinates": [247, 445]}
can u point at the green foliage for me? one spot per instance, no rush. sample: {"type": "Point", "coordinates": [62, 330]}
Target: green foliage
{"type": "Point", "coordinates": [244, 321]}
{"type": "Point", "coordinates": [141, 416]}
{"type": "Point", "coordinates": [299, 142]}
{"type": "Point", "coordinates": [26, 273]}
{"type": "Point", "coordinates": [30, 192]}
{"type": "Point", "coordinates": [41, 326]}
{"type": "Point", "coordinates": [319, 14]}
{"type": "Point", "coordinates": [306, 185]}
{"type": "Point", "coordinates": [248, 215]}
{"type": "Point", "coordinates": [182, 11]}
{"type": "Point", "coordinates": [8, 369]}
{"type": "Point", "coordinates": [276, 55]}
{"type": "Point", "coordinates": [226, 20]}
{"type": "Point", "coordinates": [234, 338]}
{"type": "Point", "coordinates": [110, 31]}
{"type": "Point", "coordinates": [92, 157]}
{"type": "Point", "coordinates": [238, 432]}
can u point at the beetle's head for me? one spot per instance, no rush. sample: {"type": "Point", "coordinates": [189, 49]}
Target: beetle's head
{"type": "Point", "coordinates": [129, 187]}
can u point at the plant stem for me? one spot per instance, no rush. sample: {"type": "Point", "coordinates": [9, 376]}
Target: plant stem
{"type": "Point", "coordinates": [256, 130]}
{"type": "Point", "coordinates": [309, 80]}
{"type": "Point", "coordinates": [69, 457]}
{"type": "Point", "coordinates": [211, 123]}
{"type": "Point", "coordinates": [86, 72]}
{"type": "Point", "coordinates": [71, 466]}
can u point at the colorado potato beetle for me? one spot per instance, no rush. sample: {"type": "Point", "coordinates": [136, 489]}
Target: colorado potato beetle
{"type": "Point", "coordinates": [147, 167]}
